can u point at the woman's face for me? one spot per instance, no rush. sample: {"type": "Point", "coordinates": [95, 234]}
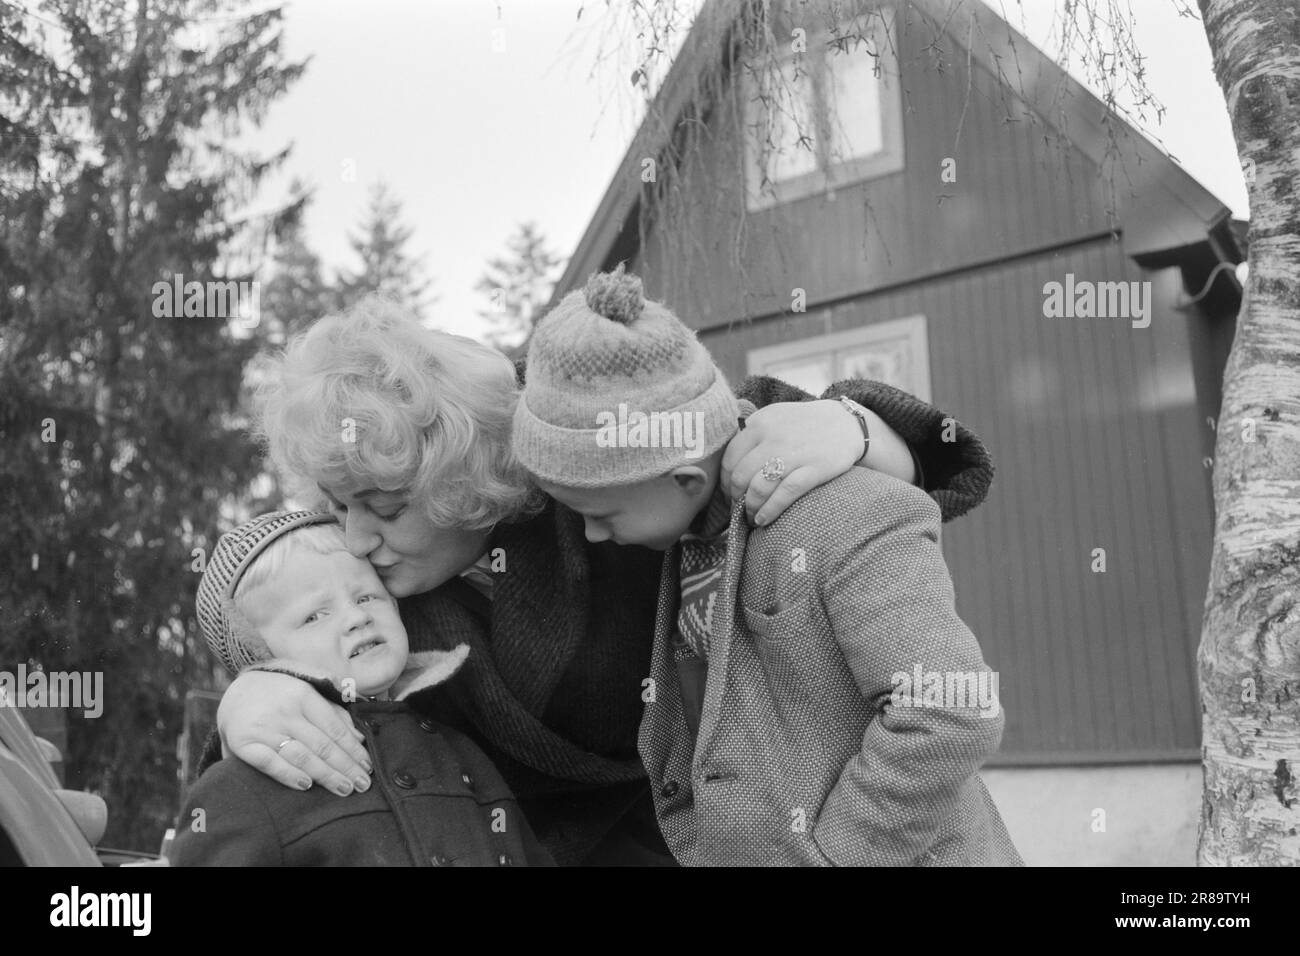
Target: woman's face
{"type": "Point", "coordinates": [409, 552]}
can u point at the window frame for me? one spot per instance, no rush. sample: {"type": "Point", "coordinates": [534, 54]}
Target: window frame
{"type": "Point", "coordinates": [912, 328]}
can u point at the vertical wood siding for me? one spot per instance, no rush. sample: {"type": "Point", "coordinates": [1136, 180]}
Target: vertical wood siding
{"type": "Point", "coordinates": [1094, 427]}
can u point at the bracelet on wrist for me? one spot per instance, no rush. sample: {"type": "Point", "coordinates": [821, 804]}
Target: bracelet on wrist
{"type": "Point", "coordinates": [860, 413]}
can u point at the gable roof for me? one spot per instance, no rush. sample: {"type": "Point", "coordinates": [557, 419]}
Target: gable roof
{"type": "Point", "coordinates": [1160, 206]}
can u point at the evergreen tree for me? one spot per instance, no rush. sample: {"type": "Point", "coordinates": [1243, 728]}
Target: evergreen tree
{"type": "Point", "coordinates": [518, 286]}
{"type": "Point", "coordinates": [386, 266]}
{"type": "Point", "coordinates": [124, 450]}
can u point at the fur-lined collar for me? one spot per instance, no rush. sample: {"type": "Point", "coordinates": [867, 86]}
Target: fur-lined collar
{"type": "Point", "coordinates": [426, 669]}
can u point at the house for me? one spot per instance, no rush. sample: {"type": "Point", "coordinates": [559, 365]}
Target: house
{"type": "Point", "coordinates": [970, 223]}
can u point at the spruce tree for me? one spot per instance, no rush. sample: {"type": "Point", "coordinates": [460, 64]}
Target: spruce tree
{"type": "Point", "coordinates": [386, 266]}
{"type": "Point", "coordinates": [124, 453]}
{"type": "Point", "coordinates": [518, 286]}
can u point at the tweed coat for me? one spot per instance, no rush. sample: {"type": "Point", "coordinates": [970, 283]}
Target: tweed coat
{"type": "Point", "coordinates": [807, 753]}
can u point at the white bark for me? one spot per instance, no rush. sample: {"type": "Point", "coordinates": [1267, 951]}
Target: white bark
{"type": "Point", "coordinates": [1250, 645]}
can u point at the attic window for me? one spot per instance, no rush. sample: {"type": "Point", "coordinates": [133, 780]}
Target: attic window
{"type": "Point", "coordinates": [824, 118]}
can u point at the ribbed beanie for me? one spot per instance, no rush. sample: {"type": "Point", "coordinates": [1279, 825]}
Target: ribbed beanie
{"type": "Point", "coordinates": [618, 390]}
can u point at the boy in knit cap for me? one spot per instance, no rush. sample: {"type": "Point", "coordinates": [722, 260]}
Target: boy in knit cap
{"type": "Point", "coordinates": [283, 593]}
{"type": "Point", "coordinates": [813, 697]}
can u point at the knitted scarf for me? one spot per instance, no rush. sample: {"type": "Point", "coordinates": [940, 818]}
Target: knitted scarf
{"type": "Point", "coordinates": [703, 553]}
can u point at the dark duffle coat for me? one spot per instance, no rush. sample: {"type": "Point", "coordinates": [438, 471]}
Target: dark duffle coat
{"type": "Point", "coordinates": [436, 799]}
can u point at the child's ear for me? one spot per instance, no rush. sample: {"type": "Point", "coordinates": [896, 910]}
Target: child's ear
{"type": "Point", "coordinates": [691, 479]}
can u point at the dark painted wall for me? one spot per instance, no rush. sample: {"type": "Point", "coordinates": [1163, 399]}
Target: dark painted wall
{"type": "Point", "coordinates": [1098, 437]}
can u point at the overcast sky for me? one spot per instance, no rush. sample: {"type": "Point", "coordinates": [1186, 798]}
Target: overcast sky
{"type": "Point", "coordinates": [481, 115]}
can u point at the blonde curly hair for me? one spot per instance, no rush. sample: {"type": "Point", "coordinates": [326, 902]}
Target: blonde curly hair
{"type": "Point", "coordinates": [370, 394]}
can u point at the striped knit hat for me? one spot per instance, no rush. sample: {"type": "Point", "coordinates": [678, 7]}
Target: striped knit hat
{"type": "Point", "coordinates": [234, 554]}
{"type": "Point", "coordinates": [618, 390]}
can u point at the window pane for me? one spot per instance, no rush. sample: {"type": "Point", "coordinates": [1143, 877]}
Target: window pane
{"type": "Point", "coordinates": [776, 131]}
{"type": "Point", "coordinates": [856, 126]}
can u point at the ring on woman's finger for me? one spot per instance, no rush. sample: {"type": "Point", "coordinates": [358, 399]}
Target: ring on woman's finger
{"type": "Point", "coordinates": [773, 468]}
{"type": "Point", "coordinates": [287, 740]}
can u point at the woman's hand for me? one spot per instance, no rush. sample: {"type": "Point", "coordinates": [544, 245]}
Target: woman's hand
{"type": "Point", "coordinates": [260, 711]}
{"type": "Point", "coordinates": [816, 441]}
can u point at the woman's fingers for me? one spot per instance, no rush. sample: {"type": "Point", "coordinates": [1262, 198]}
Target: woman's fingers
{"type": "Point", "coordinates": [266, 760]}
{"type": "Point", "coordinates": [741, 444]}
{"type": "Point", "coordinates": [279, 725]}
{"type": "Point", "coordinates": [307, 755]}
{"type": "Point", "coordinates": [746, 479]}
{"type": "Point", "coordinates": [769, 487]}
{"type": "Point", "coordinates": [323, 745]}
{"type": "Point", "coordinates": [767, 498]}
{"type": "Point", "coordinates": [785, 451]}
{"type": "Point", "coordinates": [790, 489]}
{"type": "Point", "coordinates": [336, 725]}
{"type": "Point", "coordinates": [304, 756]}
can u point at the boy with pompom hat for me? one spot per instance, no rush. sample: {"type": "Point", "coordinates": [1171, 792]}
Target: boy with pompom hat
{"type": "Point", "coordinates": [813, 697]}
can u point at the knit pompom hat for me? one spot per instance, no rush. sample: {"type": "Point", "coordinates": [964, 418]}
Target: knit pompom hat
{"type": "Point", "coordinates": [234, 554]}
{"type": "Point", "coordinates": [618, 390]}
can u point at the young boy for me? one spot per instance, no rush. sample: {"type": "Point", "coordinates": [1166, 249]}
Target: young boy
{"type": "Point", "coordinates": [813, 697]}
{"type": "Point", "coordinates": [284, 586]}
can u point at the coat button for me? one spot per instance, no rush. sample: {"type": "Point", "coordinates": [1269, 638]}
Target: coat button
{"type": "Point", "coordinates": [669, 789]}
{"type": "Point", "coordinates": [404, 780]}
{"type": "Point", "coordinates": [466, 779]}
{"type": "Point", "coordinates": [427, 726]}
{"type": "Point", "coordinates": [504, 860]}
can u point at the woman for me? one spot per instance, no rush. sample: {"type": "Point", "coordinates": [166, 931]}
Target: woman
{"type": "Point", "coordinates": [405, 434]}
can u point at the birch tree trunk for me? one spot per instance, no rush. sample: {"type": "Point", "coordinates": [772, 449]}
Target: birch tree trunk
{"type": "Point", "coordinates": [1250, 645]}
